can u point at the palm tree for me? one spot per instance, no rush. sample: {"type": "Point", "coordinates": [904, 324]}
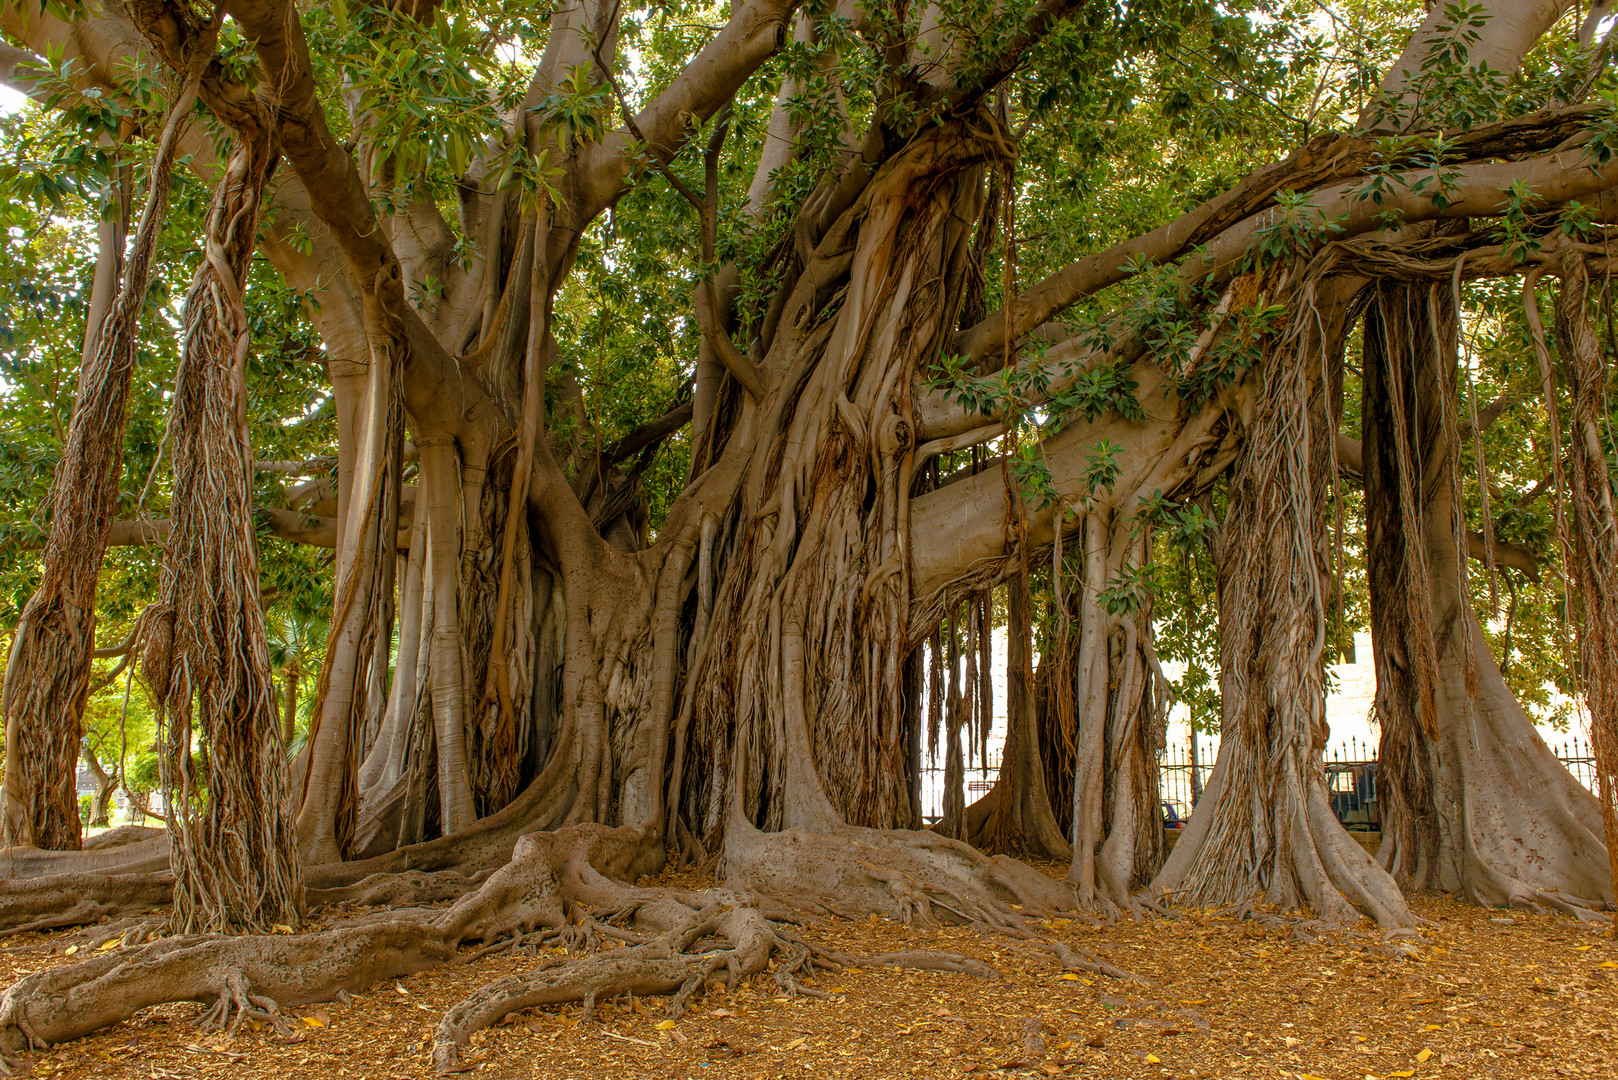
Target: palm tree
{"type": "Point", "coordinates": [297, 640]}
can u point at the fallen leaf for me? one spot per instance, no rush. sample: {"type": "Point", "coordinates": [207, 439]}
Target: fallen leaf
{"type": "Point", "coordinates": [1424, 1055]}
{"type": "Point", "coordinates": [400, 987]}
{"type": "Point", "coordinates": [1585, 948]}
{"type": "Point", "coordinates": [1604, 963]}
{"type": "Point", "coordinates": [1070, 977]}
{"type": "Point", "coordinates": [665, 1025]}
{"type": "Point", "coordinates": [794, 1044]}
{"type": "Point", "coordinates": [1432, 1027]}
{"type": "Point", "coordinates": [1153, 1059]}
{"type": "Point", "coordinates": [1096, 1041]}
{"type": "Point", "coordinates": [281, 928]}
{"type": "Point", "coordinates": [313, 1021]}
{"type": "Point", "coordinates": [113, 944]}
{"type": "Point", "coordinates": [1403, 1072]}
{"type": "Point", "coordinates": [1310, 1076]}
{"type": "Point", "coordinates": [71, 949]}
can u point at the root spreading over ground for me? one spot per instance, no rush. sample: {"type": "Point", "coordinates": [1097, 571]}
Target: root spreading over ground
{"type": "Point", "coordinates": [1497, 994]}
{"type": "Point", "coordinates": [574, 890]}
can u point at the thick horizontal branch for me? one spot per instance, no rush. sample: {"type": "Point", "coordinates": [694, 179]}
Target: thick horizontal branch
{"type": "Point", "coordinates": [1323, 160]}
{"type": "Point", "coordinates": [292, 526]}
{"type": "Point", "coordinates": [653, 431]}
{"type": "Point", "coordinates": [1519, 557]}
{"type": "Point", "coordinates": [12, 60]}
{"type": "Point", "coordinates": [312, 467]}
{"type": "Point", "coordinates": [284, 524]}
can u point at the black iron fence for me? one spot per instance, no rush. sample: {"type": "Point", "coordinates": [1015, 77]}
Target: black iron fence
{"type": "Point", "coordinates": [1350, 778]}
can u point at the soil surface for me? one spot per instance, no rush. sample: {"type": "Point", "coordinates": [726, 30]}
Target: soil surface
{"type": "Point", "coordinates": [1483, 994]}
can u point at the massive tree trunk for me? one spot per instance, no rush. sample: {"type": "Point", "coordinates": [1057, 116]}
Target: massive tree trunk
{"type": "Point", "coordinates": [1265, 829]}
{"type": "Point", "coordinates": [1474, 800]}
{"type": "Point", "coordinates": [744, 684]}
{"type": "Point", "coordinates": [1592, 557]}
{"type": "Point", "coordinates": [48, 675]}
{"type": "Point", "coordinates": [810, 627]}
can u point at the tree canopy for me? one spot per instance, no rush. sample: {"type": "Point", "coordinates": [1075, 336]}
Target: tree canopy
{"type": "Point", "coordinates": [546, 440]}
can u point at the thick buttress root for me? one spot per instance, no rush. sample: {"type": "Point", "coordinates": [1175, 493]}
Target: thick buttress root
{"type": "Point", "coordinates": [573, 886]}
{"type": "Point", "coordinates": [912, 877]}
{"type": "Point", "coordinates": [79, 899]}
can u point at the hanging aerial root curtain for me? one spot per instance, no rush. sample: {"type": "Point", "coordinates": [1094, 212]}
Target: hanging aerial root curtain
{"type": "Point", "coordinates": [48, 677]}
{"type": "Point", "coordinates": [1591, 553]}
{"type": "Point", "coordinates": [232, 852]}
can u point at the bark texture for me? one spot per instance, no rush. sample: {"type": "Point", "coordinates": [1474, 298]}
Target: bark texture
{"type": "Point", "coordinates": [207, 660]}
{"type": "Point", "coordinates": [48, 674]}
{"type": "Point", "coordinates": [1265, 829]}
{"type": "Point", "coordinates": [1474, 801]}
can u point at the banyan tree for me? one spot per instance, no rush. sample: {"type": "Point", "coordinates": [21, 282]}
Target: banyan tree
{"type": "Point", "coordinates": [566, 646]}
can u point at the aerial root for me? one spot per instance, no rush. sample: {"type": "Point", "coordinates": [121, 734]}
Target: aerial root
{"type": "Point", "coordinates": [238, 1004]}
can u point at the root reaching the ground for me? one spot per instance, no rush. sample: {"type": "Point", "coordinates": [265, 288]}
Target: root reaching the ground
{"type": "Point", "coordinates": [574, 887]}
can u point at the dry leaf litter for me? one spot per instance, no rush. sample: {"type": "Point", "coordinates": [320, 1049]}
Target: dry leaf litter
{"type": "Point", "coordinates": [1482, 994]}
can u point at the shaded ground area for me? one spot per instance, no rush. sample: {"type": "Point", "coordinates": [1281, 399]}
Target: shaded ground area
{"type": "Point", "coordinates": [1485, 994]}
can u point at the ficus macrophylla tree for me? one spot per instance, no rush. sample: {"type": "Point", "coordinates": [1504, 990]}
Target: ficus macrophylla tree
{"type": "Point", "coordinates": [892, 412]}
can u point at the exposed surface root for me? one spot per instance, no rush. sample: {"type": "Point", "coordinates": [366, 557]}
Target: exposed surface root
{"type": "Point", "coordinates": [78, 899]}
{"type": "Point", "coordinates": [145, 855]}
{"type": "Point", "coordinates": [574, 888]}
{"type": "Point", "coordinates": [407, 889]}
{"type": "Point", "coordinates": [912, 877]}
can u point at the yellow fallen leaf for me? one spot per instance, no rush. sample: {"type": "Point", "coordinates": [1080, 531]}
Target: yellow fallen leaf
{"type": "Point", "coordinates": [1585, 948]}
{"type": "Point", "coordinates": [1423, 1056]}
{"type": "Point", "coordinates": [1403, 1072]}
{"type": "Point", "coordinates": [113, 944]}
{"type": "Point", "coordinates": [1087, 982]}
{"type": "Point", "coordinates": [1070, 977]}
{"type": "Point", "coordinates": [281, 928]}
{"type": "Point", "coordinates": [1310, 1076]}
{"type": "Point", "coordinates": [71, 949]}
{"type": "Point", "coordinates": [665, 1025]}
{"type": "Point", "coordinates": [313, 1021]}
{"type": "Point", "coordinates": [1432, 1027]}
{"type": "Point", "coordinates": [1608, 963]}
{"type": "Point", "coordinates": [1153, 1059]}
{"type": "Point", "coordinates": [794, 1044]}
{"type": "Point", "coordinates": [1193, 1001]}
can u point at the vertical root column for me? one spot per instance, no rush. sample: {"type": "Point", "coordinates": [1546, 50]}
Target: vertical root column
{"type": "Point", "coordinates": [1593, 564]}
{"type": "Point", "coordinates": [1264, 829]}
{"type": "Point", "coordinates": [232, 856]}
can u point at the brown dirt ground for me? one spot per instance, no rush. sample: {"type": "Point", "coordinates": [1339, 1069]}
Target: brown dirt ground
{"type": "Point", "coordinates": [1488, 994]}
